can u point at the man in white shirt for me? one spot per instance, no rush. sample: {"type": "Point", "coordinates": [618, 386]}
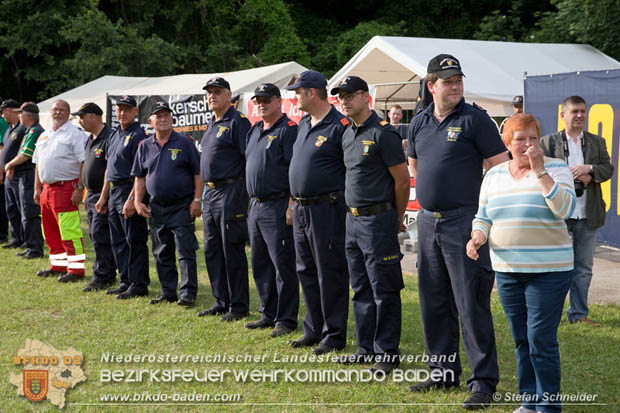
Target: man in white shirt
{"type": "Point", "coordinates": [588, 159]}
{"type": "Point", "coordinates": [59, 158]}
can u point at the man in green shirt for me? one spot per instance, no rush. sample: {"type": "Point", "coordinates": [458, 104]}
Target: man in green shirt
{"type": "Point", "coordinates": [6, 108]}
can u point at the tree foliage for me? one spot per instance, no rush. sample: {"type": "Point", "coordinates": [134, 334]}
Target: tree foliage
{"type": "Point", "coordinates": [48, 46]}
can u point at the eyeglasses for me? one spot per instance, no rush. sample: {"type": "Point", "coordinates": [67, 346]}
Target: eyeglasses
{"type": "Point", "coordinates": [262, 100]}
{"type": "Point", "coordinates": [349, 97]}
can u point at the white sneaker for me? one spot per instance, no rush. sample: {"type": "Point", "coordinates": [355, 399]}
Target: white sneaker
{"type": "Point", "coordinates": [522, 409]}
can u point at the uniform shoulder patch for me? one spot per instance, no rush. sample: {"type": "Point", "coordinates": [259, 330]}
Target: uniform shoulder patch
{"type": "Point", "coordinates": [345, 121]}
{"type": "Point", "coordinates": [384, 122]}
{"type": "Point", "coordinates": [242, 114]}
{"type": "Point", "coordinates": [291, 123]}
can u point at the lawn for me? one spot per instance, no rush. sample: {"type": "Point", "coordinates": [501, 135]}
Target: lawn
{"type": "Point", "coordinates": [99, 325]}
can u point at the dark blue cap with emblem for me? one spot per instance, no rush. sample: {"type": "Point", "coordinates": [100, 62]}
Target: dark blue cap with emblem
{"type": "Point", "coordinates": [309, 78]}
{"type": "Point", "coordinates": [444, 66]}
{"type": "Point", "coordinates": [266, 90]}
{"type": "Point", "coordinates": [127, 100]}
{"type": "Point", "coordinates": [10, 103]}
{"type": "Point", "coordinates": [160, 105]}
{"type": "Point", "coordinates": [350, 84]}
{"type": "Point", "coordinates": [218, 82]}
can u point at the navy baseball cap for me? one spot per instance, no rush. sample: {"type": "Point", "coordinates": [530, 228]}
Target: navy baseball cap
{"type": "Point", "coordinates": [89, 107]}
{"type": "Point", "coordinates": [29, 107]}
{"type": "Point", "coordinates": [444, 66]}
{"type": "Point", "coordinates": [127, 100]}
{"type": "Point", "coordinates": [160, 105]}
{"type": "Point", "coordinates": [217, 81]}
{"type": "Point", "coordinates": [350, 84]}
{"type": "Point", "coordinates": [517, 101]}
{"type": "Point", "coordinates": [10, 103]}
{"type": "Point", "coordinates": [309, 78]}
{"type": "Point", "coordinates": [267, 90]}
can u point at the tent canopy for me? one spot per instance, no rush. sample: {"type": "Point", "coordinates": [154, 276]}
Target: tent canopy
{"type": "Point", "coordinates": [240, 81]}
{"type": "Point", "coordinates": [493, 70]}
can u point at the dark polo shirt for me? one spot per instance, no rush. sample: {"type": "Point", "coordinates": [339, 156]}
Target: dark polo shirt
{"type": "Point", "coordinates": [95, 160]}
{"type": "Point", "coordinates": [122, 149]}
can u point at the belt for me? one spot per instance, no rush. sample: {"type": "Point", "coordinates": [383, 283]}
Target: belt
{"type": "Point", "coordinates": [222, 182]}
{"type": "Point", "coordinates": [61, 183]}
{"type": "Point", "coordinates": [331, 197]}
{"type": "Point", "coordinates": [271, 197]}
{"type": "Point", "coordinates": [173, 203]}
{"type": "Point", "coordinates": [371, 210]}
{"type": "Point", "coordinates": [451, 213]}
{"type": "Point", "coordinates": [121, 182]}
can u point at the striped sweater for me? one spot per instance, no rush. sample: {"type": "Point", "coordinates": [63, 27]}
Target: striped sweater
{"type": "Point", "coordinates": [525, 228]}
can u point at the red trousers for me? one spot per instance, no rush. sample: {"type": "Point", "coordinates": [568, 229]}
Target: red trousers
{"type": "Point", "coordinates": [61, 228]}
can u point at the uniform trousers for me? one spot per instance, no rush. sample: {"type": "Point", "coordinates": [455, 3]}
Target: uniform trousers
{"type": "Point", "coordinates": [224, 214]}
{"type": "Point", "coordinates": [20, 191]}
{"type": "Point", "coordinates": [319, 233]}
{"type": "Point", "coordinates": [172, 226]}
{"type": "Point", "coordinates": [104, 264]}
{"type": "Point", "coordinates": [453, 288]}
{"type": "Point", "coordinates": [61, 227]}
{"type": "Point", "coordinates": [273, 261]}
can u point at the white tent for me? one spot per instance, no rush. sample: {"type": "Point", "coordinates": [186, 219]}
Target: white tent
{"type": "Point", "coordinates": [493, 70]}
{"type": "Point", "coordinates": [240, 81]}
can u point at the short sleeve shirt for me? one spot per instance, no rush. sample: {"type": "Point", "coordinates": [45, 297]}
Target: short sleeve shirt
{"type": "Point", "coordinates": [369, 150]}
{"type": "Point", "coordinates": [317, 165]}
{"type": "Point", "coordinates": [59, 153]}
{"type": "Point", "coordinates": [223, 147]}
{"type": "Point", "coordinates": [122, 148]}
{"type": "Point", "coordinates": [268, 156]}
{"type": "Point", "coordinates": [169, 169]}
{"type": "Point", "coordinates": [12, 141]}
{"type": "Point", "coordinates": [95, 160]}
{"type": "Point", "coordinates": [450, 155]}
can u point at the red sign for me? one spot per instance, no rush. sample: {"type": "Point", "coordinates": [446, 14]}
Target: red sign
{"type": "Point", "coordinates": [35, 384]}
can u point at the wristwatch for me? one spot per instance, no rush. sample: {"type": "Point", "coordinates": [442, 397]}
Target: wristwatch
{"type": "Point", "coordinates": [197, 200]}
{"type": "Point", "coordinates": [80, 187]}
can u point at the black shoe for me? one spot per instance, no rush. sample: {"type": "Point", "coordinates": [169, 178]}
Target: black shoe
{"type": "Point", "coordinates": [117, 290]}
{"type": "Point", "coordinates": [50, 273]}
{"type": "Point", "coordinates": [230, 316]}
{"type": "Point", "coordinates": [304, 342]}
{"type": "Point", "coordinates": [324, 349]}
{"type": "Point", "coordinates": [97, 285]}
{"type": "Point", "coordinates": [212, 311]}
{"type": "Point", "coordinates": [29, 255]}
{"type": "Point", "coordinates": [281, 330]}
{"type": "Point", "coordinates": [477, 401]}
{"type": "Point", "coordinates": [131, 294]}
{"type": "Point", "coordinates": [162, 299]}
{"type": "Point", "coordinates": [69, 278]}
{"type": "Point", "coordinates": [383, 366]}
{"type": "Point", "coordinates": [431, 385]}
{"type": "Point", "coordinates": [12, 245]}
{"type": "Point", "coordinates": [22, 253]}
{"type": "Point", "coordinates": [262, 323]}
{"type": "Point", "coordinates": [185, 302]}
{"type": "Point", "coordinates": [357, 358]}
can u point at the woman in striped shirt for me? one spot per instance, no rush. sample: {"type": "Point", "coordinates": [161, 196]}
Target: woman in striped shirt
{"type": "Point", "coordinates": [523, 205]}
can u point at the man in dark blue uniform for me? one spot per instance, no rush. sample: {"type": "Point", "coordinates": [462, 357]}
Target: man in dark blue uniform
{"type": "Point", "coordinates": [376, 192]}
{"type": "Point", "coordinates": [316, 177]}
{"type": "Point", "coordinates": [9, 211]}
{"type": "Point", "coordinates": [128, 230]}
{"type": "Point", "coordinates": [104, 264]}
{"type": "Point", "coordinates": [225, 203]}
{"type": "Point", "coordinates": [167, 166]}
{"type": "Point", "coordinates": [448, 142]}
{"type": "Point", "coordinates": [20, 179]}
{"type": "Point", "coordinates": [268, 156]}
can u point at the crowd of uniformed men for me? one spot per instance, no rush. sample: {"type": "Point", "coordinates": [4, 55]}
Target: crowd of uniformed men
{"type": "Point", "coordinates": [321, 204]}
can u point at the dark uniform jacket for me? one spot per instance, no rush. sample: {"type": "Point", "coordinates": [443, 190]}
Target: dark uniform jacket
{"type": "Point", "coordinates": [595, 154]}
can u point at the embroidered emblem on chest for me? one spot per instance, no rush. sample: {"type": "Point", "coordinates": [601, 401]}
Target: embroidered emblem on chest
{"type": "Point", "coordinates": [270, 138]}
{"type": "Point", "coordinates": [453, 133]}
{"type": "Point", "coordinates": [319, 141]}
{"type": "Point", "coordinates": [221, 130]}
{"type": "Point", "coordinates": [174, 153]}
{"type": "Point", "coordinates": [367, 146]}
{"type": "Point", "coordinates": [98, 152]}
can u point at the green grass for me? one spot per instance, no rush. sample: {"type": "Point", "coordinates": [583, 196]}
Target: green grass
{"type": "Point", "coordinates": [93, 323]}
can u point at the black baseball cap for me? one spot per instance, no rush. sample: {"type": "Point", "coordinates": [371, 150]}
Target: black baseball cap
{"type": "Point", "coordinates": [350, 84]}
{"type": "Point", "coordinates": [127, 100]}
{"type": "Point", "coordinates": [267, 90]}
{"type": "Point", "coordinates": [444, 66]}
{"type": "Point", "coordinates": [29, 107]}
{"type": "Point", "coordinates": [309, 78]}
{"type": "Point", "coordinates": [217, 81]}
{"type": "Point", "coordinates": [89, 107]}
{"type": "Point", "coordinates": [160, 105]}
{"type": "Point", "coordinates": [517, 101]}
{"type": "Point", "coordinates": [10, 103]}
